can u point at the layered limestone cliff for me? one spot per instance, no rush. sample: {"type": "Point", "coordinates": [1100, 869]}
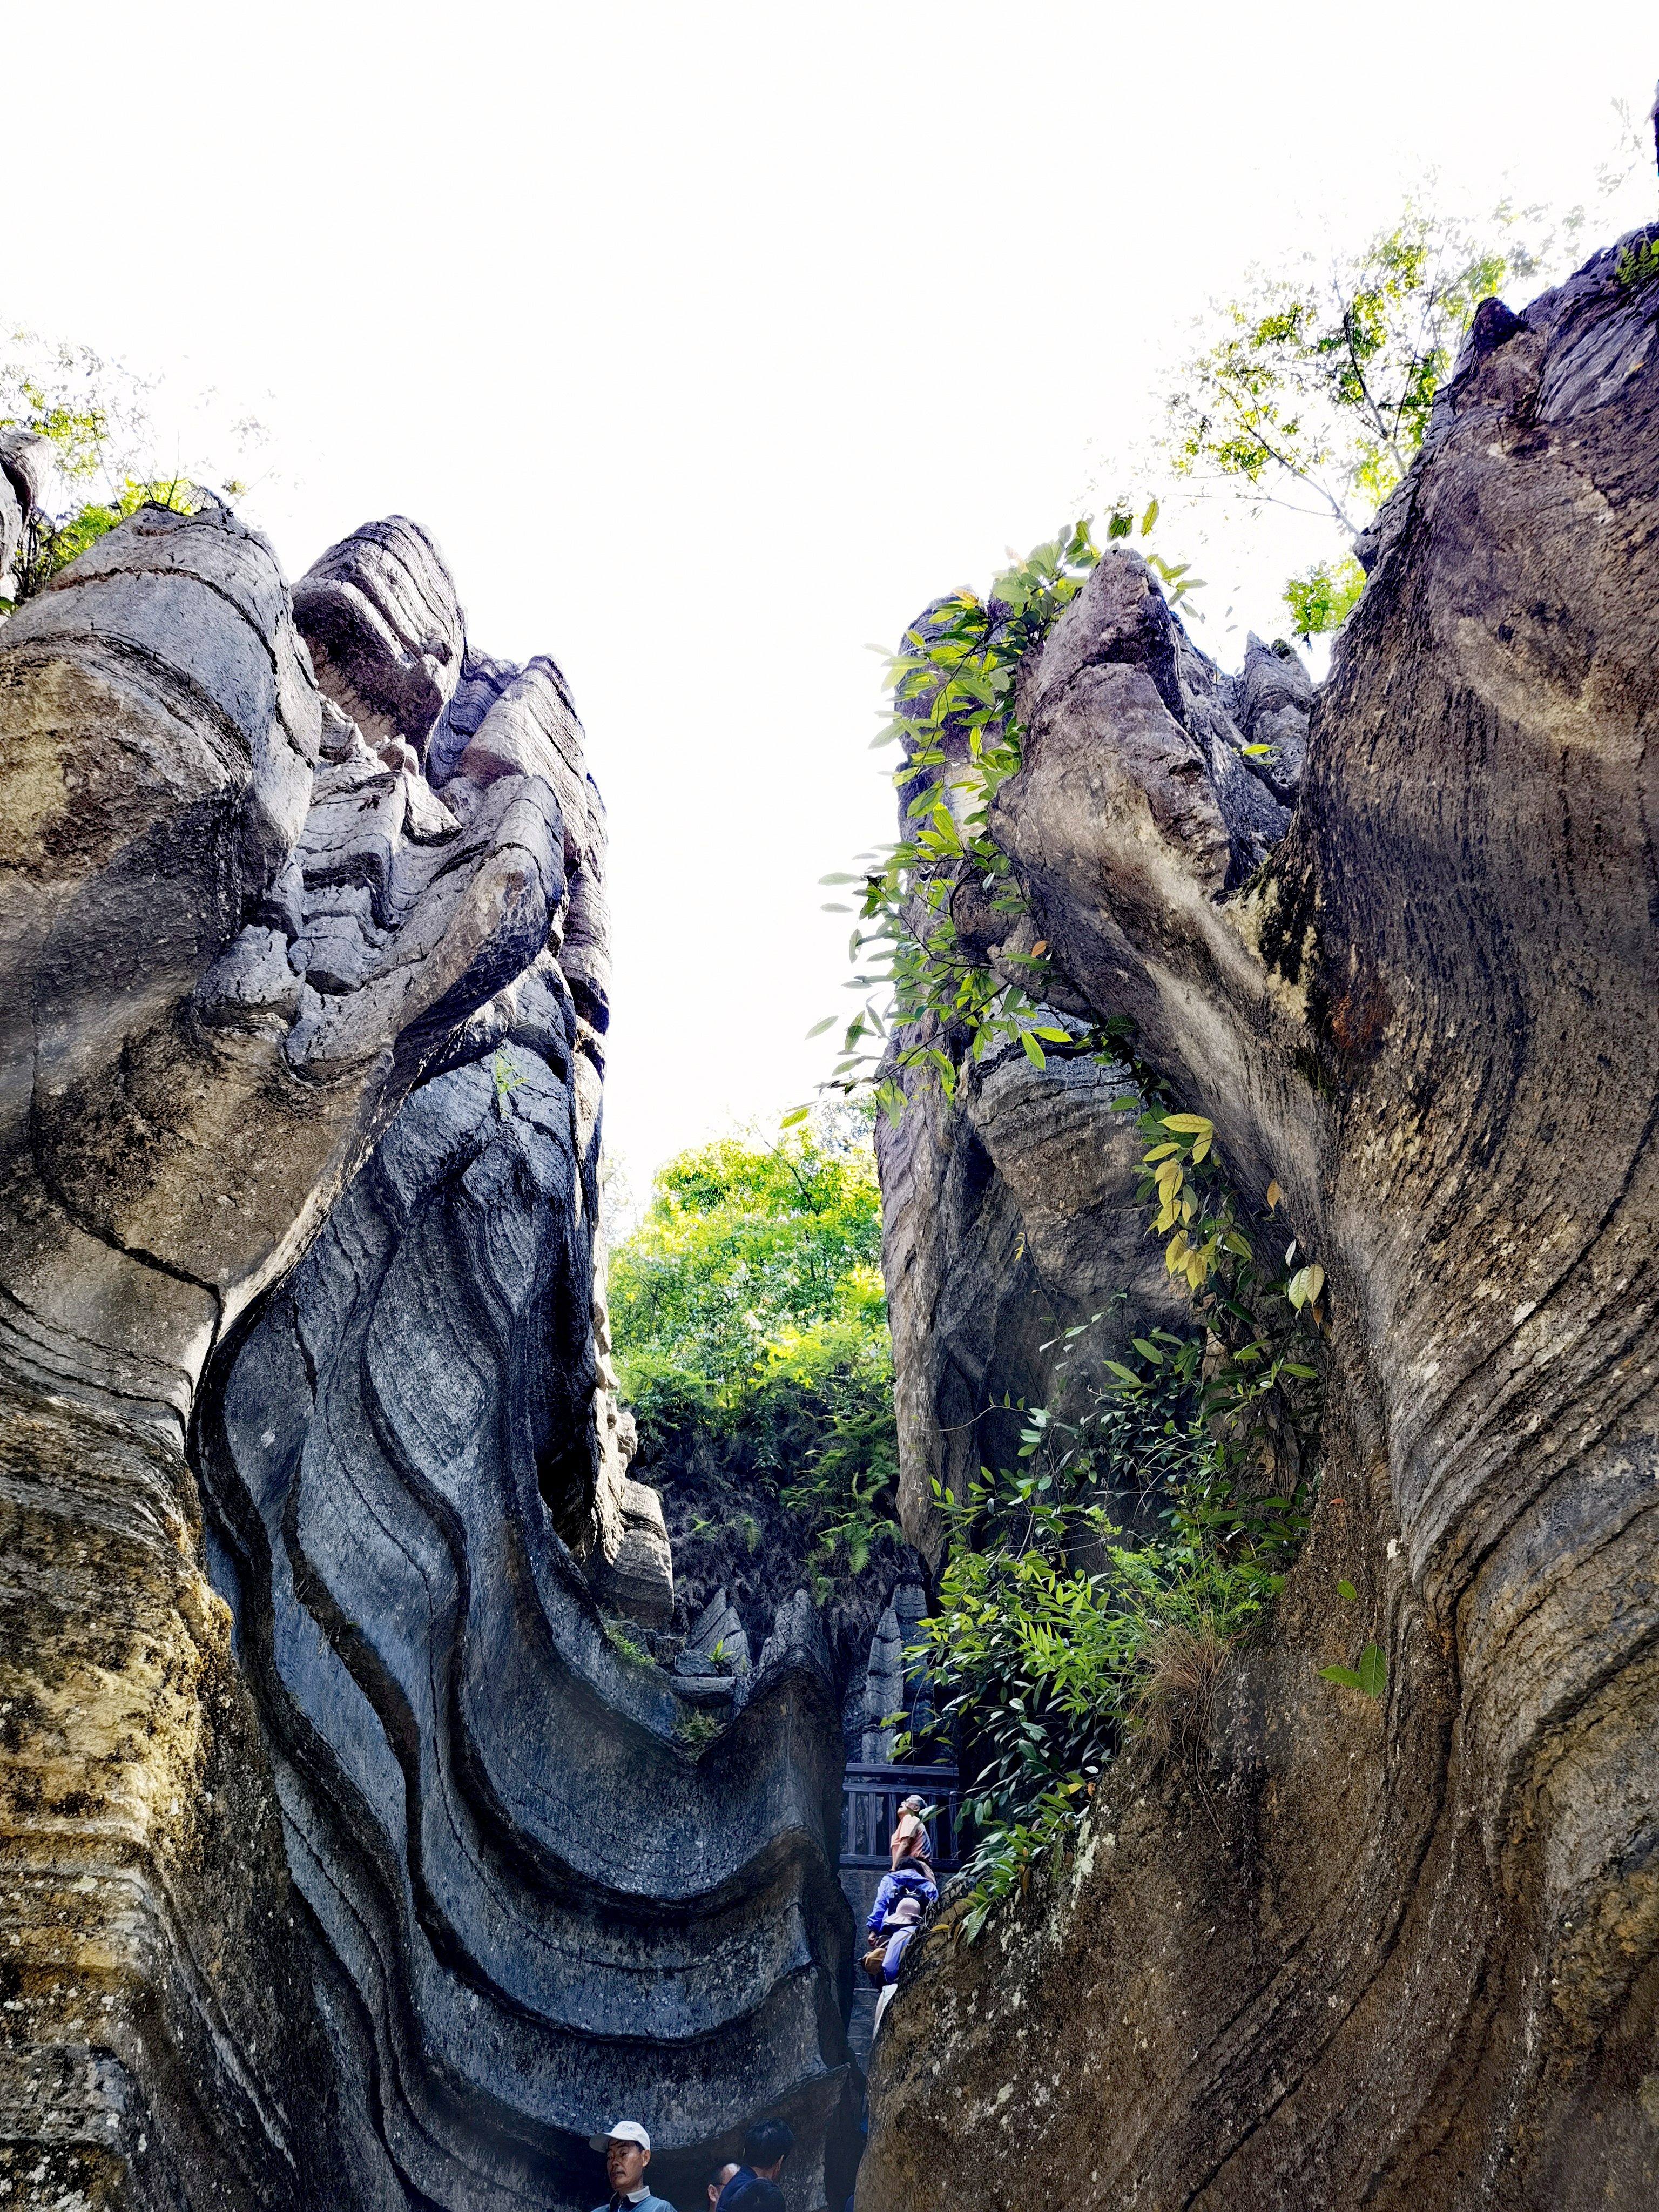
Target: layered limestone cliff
{"type": "Point", "coordinates": [345, 1858]}
{"type": "Point", "coordinates": [1339, 1952]}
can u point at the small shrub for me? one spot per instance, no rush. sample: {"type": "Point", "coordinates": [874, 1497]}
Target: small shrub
{"type": "Point", "coordinates": [696, 1730]}
{"type": "Point", "coordinates": [622, 1642]}
{"type": "Point", "coordinates": [1638, 264]}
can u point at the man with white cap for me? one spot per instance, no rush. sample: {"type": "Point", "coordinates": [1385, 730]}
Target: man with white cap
{"type": "Point", "coordinates": [627, 2150]}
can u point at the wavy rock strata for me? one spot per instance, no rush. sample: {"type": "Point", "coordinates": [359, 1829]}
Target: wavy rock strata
{"type": "Point", "coordinates": [379, 1884]}
{"type": "Point", "coordinates": [1405, 1953]}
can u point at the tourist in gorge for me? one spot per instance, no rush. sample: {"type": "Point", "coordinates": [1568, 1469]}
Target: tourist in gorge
{"type": "Point", "coordinates": [900, 1901]}
{"type": "Point", "coordinates": [627, 2150]}
{"type": "Point", "coordinates": [910, 1837]}
{"type": "Point", "coordinates": [717, 2181]}
{"type": "Point", "coordinates": [765, 2148]}
{"type": "Point", "coordinates": [750, 2194]}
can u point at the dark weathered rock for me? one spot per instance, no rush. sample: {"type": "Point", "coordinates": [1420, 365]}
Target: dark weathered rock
{"type": "Point", "coordinates": [1273, 699]}
{"type": "Point", "coordinates": [1401, 1954]}
{"type": "Point", "coordinates": [299, 1080]}
{"type": "Point", "coordinates": [386, 630]}
{"type": "Point", "coordinates": [1006, 1220]}
{"type": "Point", "coordinates": [545, 1904]}
{"type": "Point", "coordinates": [740, 1552]}
{"type": "Point", "coordinates": [28, 472]}
{"type": "Point", "coordinates": [29, 466]}
{"type": "Point", "coordinates": [17, 498]}
{"type": "Point", "coordinates": [1010, 1217]}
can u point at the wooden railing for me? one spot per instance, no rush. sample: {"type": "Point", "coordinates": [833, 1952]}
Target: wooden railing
{"type": "Point", "coordinates": [870, 1801]}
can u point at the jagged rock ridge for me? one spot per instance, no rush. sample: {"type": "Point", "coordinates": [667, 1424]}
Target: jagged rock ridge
{"type": "Point", "coordinates": [300, 1060]}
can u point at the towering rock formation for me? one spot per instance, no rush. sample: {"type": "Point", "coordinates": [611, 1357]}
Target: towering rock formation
{"type": "Point", "coordinates": [1012, 1216]}
{"type": "Point", "coordinates": [1405, 1953]}
{"type": "Point", "coordinates": [345, 1859]}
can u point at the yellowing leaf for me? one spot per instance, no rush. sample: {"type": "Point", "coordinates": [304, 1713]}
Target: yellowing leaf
{"type": "Point", "coordinates": [1189, 1125]}
{"type": "Point", "coordinates": [1305, 1286]}
{"type": "Point", "coordinates": [1275, 1195]}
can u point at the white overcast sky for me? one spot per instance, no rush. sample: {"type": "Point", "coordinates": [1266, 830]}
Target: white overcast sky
{"type": "Point", "coordinates": [711, 341]}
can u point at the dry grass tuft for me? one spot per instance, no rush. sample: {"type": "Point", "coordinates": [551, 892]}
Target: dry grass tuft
{"type": "Point", "coordinates": [1178, 1695]}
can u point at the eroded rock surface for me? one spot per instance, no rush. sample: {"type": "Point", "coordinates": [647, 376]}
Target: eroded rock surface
{"type": "Point", "coordinates": [369, 1869]}
{"type": "Point", "coordinates": [1403, 1953]}
{"type": "Point", "coordinates": [1006, 1220]}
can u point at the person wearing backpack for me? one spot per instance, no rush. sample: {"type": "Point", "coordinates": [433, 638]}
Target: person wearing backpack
{"type": "Point", "coordinates": [903, 1897]}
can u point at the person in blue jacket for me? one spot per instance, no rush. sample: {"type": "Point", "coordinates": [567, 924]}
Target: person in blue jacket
{"type": "Point", "coordinates": [903, 1897]}
{"type": "Point", "coordinates": [765, 2146]}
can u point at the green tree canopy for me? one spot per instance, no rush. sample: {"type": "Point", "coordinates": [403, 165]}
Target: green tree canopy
{"type": "Point", "coordinates": [1313, 389]}
{"type": "Point", "coordinates": [94, 415]}
{"type": "Point", "coordinates": [746, 1248]}
{"type": "Point", "coordinates": [747, 1309]}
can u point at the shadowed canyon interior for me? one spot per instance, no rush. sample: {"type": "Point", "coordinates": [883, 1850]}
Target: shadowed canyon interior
{"type": "Point", "coordinates": [350, 1855]}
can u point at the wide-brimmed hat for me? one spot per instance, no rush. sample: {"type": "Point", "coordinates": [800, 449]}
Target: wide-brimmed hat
{"type": "Point", "coordinates": [623, 2131]}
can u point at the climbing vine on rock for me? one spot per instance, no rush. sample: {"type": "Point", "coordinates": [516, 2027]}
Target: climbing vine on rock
{"type": "Point", "coordinates": [1052, 1639]}
{"type": "Point", "coordinates": [929, 999]}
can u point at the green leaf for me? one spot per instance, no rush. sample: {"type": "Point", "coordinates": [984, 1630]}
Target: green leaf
{"type": "Point", "coordinates": [1373, 1670]}
{"type": "Point", "coordinates": [1347, 1589]}
{"type": "Point", "coordinates": [796, 1114]}
{"type": "Point", "coordinates": [818, 1027]}
{"type": "Point", "coordinates": [1345, 1675]}
{"type": "Point", "coordinates": [1033, 1049]}
{"type": "Point", "coordinates": [1149, 518]}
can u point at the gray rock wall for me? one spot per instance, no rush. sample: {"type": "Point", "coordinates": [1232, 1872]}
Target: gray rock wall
{"type": "Point", "coordinates": [544, 1902]}
{"type": "Point", "coordinates": [348, 1859]}
{"type": "Point", "coordinates": [1401, 1953]}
